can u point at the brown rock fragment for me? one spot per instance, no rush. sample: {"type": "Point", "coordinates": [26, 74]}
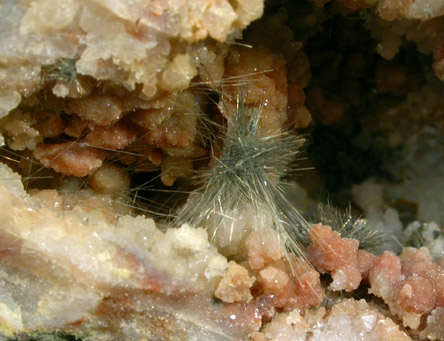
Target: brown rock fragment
{"type": "Point", "coordinates": [101, 110]}
{"type": "Point", "coordinates": [116, 136]}
{"type": "Point", "coordinates": [109, 178]}
{"type": "Point", "coordinates": [51, 127]}
{"type": "Point", "coordinates": [69, 158]}
{"type": "Point", "coordinates": [235, 285]}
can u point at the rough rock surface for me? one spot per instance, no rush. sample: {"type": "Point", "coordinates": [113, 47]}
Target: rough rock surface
{"type": "Point", "coordinates": [128, 42]}
{"type": "Point", "coordinates": [59, 268]}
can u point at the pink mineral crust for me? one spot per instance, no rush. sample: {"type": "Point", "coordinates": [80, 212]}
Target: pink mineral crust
{"type": "Point", "coordinates": [101, 110]}
{"type": "Point", "coordinates": [415, 295]}
{"type": "Point", "coordinates": [117, 136]}
{"type": "Point", "coordinates": [287, 291]}
{"type": "Point", "coordinates": [384, 274]}
{"type": "Point", "coordinates": [411, 284]}
{"type": "Point", "coordinates": [329, 252]}
{"type": "Point", "coordinates": [69, 158]}
{"type": "Point", "coordinates": [418, 262]}
{"type": "Point", "coordinates": [365, 263]}
{"type": "Point", "coordinates": [281, 285]}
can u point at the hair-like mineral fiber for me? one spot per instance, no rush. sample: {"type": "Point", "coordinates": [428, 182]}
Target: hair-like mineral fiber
{"type": "Point", "coordinates": [63, 69]}
{"type": "Point", "coordinates": [352, 227]}
{"type": "Point", "coordinates": [247, 178]}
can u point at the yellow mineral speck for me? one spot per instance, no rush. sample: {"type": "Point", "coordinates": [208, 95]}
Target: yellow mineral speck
{"type": "Point", "coordinates": [104, 256]}
{"type": "Point", "coordinates": [122, 272]}
{"type": "Point", "coordinates": [178, 73]}
{"type": "Point", "coordinates": [9, 318]}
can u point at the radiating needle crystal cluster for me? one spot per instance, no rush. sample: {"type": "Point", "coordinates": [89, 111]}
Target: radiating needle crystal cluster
{"type": "Point", "coordinates": [243, 191]}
